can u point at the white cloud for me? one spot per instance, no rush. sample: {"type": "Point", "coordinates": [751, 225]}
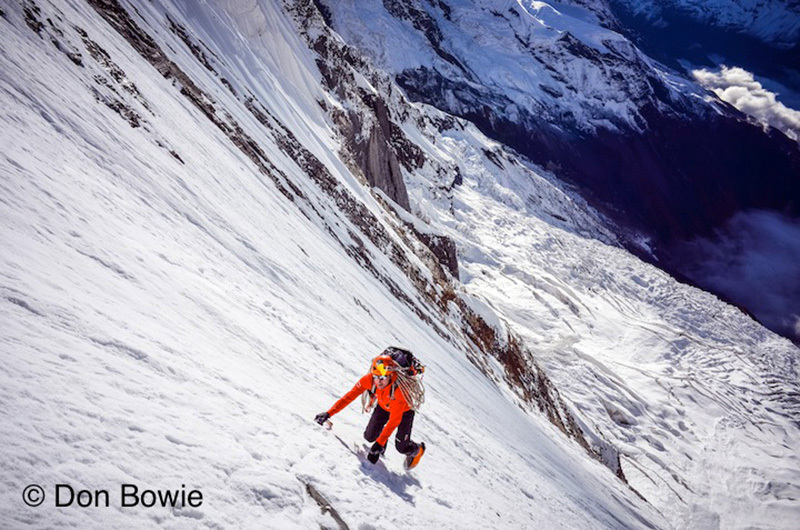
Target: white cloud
{"type": "Point", "coordinates": [754, 261]}
{"type": "Point", "coordinates": [796, 325]}
{"type": "Point", "coordinates": [739, 88]}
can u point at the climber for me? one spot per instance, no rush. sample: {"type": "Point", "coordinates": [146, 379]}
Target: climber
{"type": "Point", "coordinates": [397, 392]}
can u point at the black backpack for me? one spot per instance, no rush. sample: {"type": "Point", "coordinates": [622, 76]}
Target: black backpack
{"type": "Point", "coordinates": [405, 359]}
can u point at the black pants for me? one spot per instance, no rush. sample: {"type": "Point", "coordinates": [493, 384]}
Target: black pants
{"type": "Point", "coordinates": [402, 440]}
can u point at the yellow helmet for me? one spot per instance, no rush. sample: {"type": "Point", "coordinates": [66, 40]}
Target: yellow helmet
{"type": "Point", "coordinates": [382, 365]}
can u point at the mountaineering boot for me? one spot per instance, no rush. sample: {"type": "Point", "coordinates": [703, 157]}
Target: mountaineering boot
{"type": "Point", "coordinates": [413, 460]}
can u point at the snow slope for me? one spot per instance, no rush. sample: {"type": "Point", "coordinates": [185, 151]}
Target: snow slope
{"type": "Point", "coordinates": [170, 316]}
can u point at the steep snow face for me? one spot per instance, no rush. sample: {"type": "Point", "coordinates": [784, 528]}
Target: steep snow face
{"type": "Point", "coordinates": [773, 21]}
{"type": "Point", "coordinates": [190, 272]}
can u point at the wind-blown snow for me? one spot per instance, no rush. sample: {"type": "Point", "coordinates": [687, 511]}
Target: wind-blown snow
{"type": "Point", "coordinates": [169, 317]}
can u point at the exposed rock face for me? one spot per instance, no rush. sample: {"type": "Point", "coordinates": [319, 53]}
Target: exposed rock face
{"type": "Point", "coordinates": [444, 249]}
{"type": "Point", "coordinates": [367, 134]}
{"type": "Point", "coordinates": [377, 159]}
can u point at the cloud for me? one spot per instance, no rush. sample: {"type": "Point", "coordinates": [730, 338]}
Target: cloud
{"type": "Point", "coordinates": [739, 88]}
{"type": "Point", "coordinates": [755, 262]}
{"type": "Point", "coordinates": [796, 325]}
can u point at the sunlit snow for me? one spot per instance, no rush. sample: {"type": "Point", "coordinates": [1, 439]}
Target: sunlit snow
{"type": "Point", "coordinates": [171, 320]}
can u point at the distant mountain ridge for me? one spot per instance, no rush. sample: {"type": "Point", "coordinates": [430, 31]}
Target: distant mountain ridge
{"type": "Point", "coordinates": [776, 22]}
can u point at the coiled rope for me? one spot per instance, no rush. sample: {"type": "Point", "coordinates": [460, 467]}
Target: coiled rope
{"type": "Point", "coordinates": [411, 386]}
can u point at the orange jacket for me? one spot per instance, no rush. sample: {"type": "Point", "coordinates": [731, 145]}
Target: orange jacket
{"type": "Point", "coordinates": [396, 405]}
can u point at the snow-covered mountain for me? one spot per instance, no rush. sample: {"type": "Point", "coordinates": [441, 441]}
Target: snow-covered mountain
{"type": "Point", "coordinates": [563, 84]}
{"type": "Point", "coordinates": [759, 36]}
{"type": "Point", "coordinates": [773, 21]}
{"type": "Point", "coordinates": [214, 214]}
{"type": "Point", "coordinates": [553, 82]}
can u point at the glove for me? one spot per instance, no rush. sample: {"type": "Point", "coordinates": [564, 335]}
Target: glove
{"type": "Point", "coordinates": [376, 452]}
{"type": "Point", "coordinates": [322, 417]}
